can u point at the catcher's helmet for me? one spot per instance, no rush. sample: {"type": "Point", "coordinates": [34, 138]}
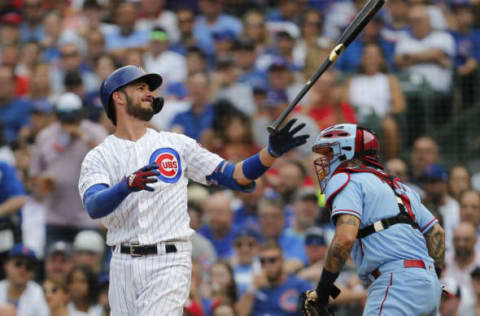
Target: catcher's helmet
{"type": "Point", "coordinates": [342, 142]}
{"type": "Point", "coordinates": [122, 77]}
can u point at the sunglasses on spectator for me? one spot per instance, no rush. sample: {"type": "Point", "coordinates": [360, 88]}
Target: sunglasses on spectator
{"type": "Point", "coordinates": [249, 244]}
{"type": "Point", "coordinates": [28, 265]}
{"type": "Point", "coordinates": [52, 290]}
{"type": "Point", "coordinates": [265, 260]}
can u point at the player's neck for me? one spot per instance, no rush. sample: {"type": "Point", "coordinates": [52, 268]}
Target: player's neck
{"type": "Point", "coordinates": [131, 130]}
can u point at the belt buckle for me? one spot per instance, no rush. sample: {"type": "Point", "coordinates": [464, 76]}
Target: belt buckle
{"type": "Point", "coordinates": [132, 250]}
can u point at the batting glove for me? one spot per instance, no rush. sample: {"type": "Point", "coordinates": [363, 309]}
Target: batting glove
{"type": "Point", "coordinates": [283, 140]}
{"type": "Point", "coordinates": [138, 180]}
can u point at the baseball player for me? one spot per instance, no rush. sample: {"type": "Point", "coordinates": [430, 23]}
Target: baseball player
{"type": "Point", "coordinates": [397, 245]}
{"type": "Point", "coordinates": [136, 181]}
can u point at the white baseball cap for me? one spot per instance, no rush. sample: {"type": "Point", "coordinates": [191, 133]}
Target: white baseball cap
{"type": "Point", "coordinates": [89, 240]}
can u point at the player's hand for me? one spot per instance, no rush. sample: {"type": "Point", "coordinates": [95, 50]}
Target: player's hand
{"type": "Point", "coordinates": [283, 140]}
{"type": "Point", "coordinates": [138, 180]}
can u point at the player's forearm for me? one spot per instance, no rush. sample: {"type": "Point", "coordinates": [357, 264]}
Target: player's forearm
{"type": "Point", "coordinates": [345, 235]}
{"type": "Point", "coordinates": [435, 238]}
{"type": "Point", "coordinates": [100, 200]}
{"type": "Point", "coordinates": [253, 167]}
{"type": "Point", "coordinates": [12, 205]}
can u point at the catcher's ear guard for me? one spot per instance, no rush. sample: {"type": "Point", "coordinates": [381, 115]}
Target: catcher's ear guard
{"type": "Point", "coordinates": [157, 104]}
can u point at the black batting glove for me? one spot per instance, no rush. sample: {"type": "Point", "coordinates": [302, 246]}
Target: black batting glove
{"type": "Point", "coordinates": [138, 180]}
{"type": "Point", "coordinates": [284, 140]}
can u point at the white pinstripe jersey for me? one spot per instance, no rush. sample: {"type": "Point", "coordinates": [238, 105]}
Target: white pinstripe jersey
{"type": "Point", "coordinates": [149, 217]}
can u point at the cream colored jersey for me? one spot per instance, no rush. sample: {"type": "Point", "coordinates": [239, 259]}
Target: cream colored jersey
{"type": "Point", "coordinates": [149, 217]}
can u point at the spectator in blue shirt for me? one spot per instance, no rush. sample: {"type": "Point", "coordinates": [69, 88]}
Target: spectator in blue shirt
{"type": "Point", "coordinates": [349, 61]}
{"type": "Point", "coordinates": [213, 20]}
{"type": "Point", "coordinates": [185, 20]}
{"type": "Point", "coordinates": [12, 198]}
{"type": "Point", "coordinates": [467, 43]}
{"type": "Point", "coordinates": [273, 291]}
{"type": "Point", "coordinates": [272, 223]}
{"type": "Point", "coordinates": [245, 57]}
{"type": "Point", "coordinates": [199, 117]}
{"type": "Point", "coordinates": [220, 223]}
{"type": "Point", "coordinates": [14, 112]}
{"type": "Point", "coordinates": [32, 27]}
{"type": "Point", "coordinates": [245, 263]}
{"type": "Point", "coordinates": [125, 36]}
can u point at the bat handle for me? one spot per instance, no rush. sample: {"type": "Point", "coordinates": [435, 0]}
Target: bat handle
{"type": "Point", "coordinates": [272, 129]}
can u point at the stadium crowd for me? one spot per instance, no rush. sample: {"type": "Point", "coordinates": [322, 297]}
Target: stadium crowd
{"type": "Point", "coordinates": [229, 68]}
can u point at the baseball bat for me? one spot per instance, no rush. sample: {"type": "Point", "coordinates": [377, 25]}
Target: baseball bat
{"type": "Point", "coordinates": [350, 33]}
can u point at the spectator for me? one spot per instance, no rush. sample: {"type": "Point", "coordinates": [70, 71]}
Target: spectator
{"type": "Point", "coordinates": [272, 223]}
{"type": "Point", "coordinates": [291, 177]}
{"type": "Point", "coordinates": [14, 112]}
{"type": "Point", "coordinates": [226, 86]}
{"type": "Point", "coordinates": [219, 217]}
{"type": "Point", "coordinates": [222, 284]}
{"type": "Point", "coordinates": [255, 30]}
{"type": "Point", "coordinates": [58, 261]}
{"type": "Point", "coordinates": [32, 28]}
{"type": "Point", "coordinates": [467, 43]}
{"type": "Point", "coordinates": [124, 34]}
{"type": "Point", "coordinates": [397, 19]}
{"type": "Point", "coordinates": [245, 57]}
{"type": "Point", "coordinates": [470, 211]}
{"type": "Point", "coordinates": [30, 56]}
{"type": "Point", "coordinates": [245, 263]}
{"type": "Point", "coordinates": [424, 153]}
{"type": "Point", "coordinates": [281, 78]}
{"type": "Point", "coordinates": [88, 250]}
{"type": "Point", "coordinates": [461, 262]}
{"type": "Point", "coordinates": [213, 20]}
{"type": "Point", "coordinates": [158, 59]}
{"type": "Point", "coordinates": [428, 54]}
{"type": "Point", "coordinates": [246, 212]}
{"type": "Point", "coordinates": [324, 106]}
{"type": "Point", "coordinates": [95, 49]}
{"type": "Point", "coordinates": [57, 156]}
{"type": "Point", "coordinates": [185, 20]}
{"type": "Point", "coordinates": [83, 288]}
{"type": "Point", "coordinates": [439, 202]}
{"type": "Point", "coordinates": [196, 60]}
{"type": "Point", "coordinates": [52, 24]}
{"type": "Point", "coordinates": [276, 103]}
{"type": "Point", "coordinates": [39, 83]}
{"type": "Point", "coordinates": [10, 30]}
{"type": "Point", "coordinates": [12, 198]}
{"type": "Point", "coordinates": [18, 288]}
{"type": "Point", "coordinates": [285, 44]}
{"type": "Point", "coordinates": [200, 116]}
{"type": "Point", "coordinates": [104, 282]}
{"type": "Point", "coordinates": [154, 13]}
{"type": "Point", "coordinates": [285, 17]}
{"type": "Point", "coordinates": [351, 60]}
{"type": "Point", "coordinates": [273, 291]}
{"type": "Point", "coordinates": [223, 44]}
{"type": "Point", "coordinates": [386, 100]}
{"type": "Point", "coordinates": [397, 167]}
{"type": "Point", "coordinates": [57, 296]}
{"type": "Point", "coordinates": [7, 309]}
{"type": "Point", "coordinates": [306, 210]}
{"type": "Point", "coordinates": [316, 247]}
{"type": "Point", "coordinates": [459, 180]}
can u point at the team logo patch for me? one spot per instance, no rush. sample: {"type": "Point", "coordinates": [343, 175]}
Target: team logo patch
{"type": "Point", "coordinates": [288, 300]}
{"type": "Point", "coordinates": [169, 165]}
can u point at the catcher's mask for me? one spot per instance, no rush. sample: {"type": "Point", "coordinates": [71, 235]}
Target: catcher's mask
{"type": "Point", "coordinates": [338, 144]}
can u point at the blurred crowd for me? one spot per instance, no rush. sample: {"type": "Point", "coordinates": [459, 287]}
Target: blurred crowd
{"type": "Point", "coordinates": [229, 69]}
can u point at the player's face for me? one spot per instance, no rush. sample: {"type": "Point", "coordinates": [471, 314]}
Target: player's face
{"type": "Point", "coordinates": [322, 163]}
{"type": "Point", "coordinates": [139, 101]}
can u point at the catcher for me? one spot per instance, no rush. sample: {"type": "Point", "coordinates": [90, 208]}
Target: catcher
{"type": "Point", "coordinates": [396, 244]}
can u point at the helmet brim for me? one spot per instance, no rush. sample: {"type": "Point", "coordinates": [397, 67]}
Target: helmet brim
{"type": "Point", "coordinates": [152, 80]}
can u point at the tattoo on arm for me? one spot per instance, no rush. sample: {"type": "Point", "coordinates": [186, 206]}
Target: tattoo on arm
{"type": "Point", "coordinates": [339, 251]}
{"type": "Point", "coordinates": [435, 238]}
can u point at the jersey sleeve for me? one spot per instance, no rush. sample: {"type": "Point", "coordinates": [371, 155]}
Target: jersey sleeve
{"type": "Point", "coordinates": [423, 216]}
{"type": "Point", "coordinates": [199, 161]}
{"type": "Point", "coordinates": [346, 196]}
{"type": "Point", "coordinates": [92, 172]}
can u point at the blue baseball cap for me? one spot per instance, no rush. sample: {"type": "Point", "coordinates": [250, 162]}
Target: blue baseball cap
{"type": "Point", "coordinates": [315, 236]}
{"type": "Point", "coordinates": [20, 250]}
{"type": "Point", "coordinates": [247, 232]}
{"type": "Point", "coordinates": [278, 64]}
{"type": "Point", "coordinates": [225, 35]}
{"type": "Point", "coordinates": [276, 98]}
{"type": "Point", "coordinates": [435, 172]}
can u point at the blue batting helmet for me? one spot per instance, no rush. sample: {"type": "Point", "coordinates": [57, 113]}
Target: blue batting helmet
{"type": "Point", "coordinates": [120, 78]}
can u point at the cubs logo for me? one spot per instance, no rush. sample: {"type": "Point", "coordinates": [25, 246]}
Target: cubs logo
{"type": "Point", "coordinates": [169, 165]}
{"type": "Point", "coordinates": [288, 300]}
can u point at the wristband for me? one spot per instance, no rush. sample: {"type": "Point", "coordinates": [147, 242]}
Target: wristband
{"type": "Point", "coordinates": [253, 168]}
